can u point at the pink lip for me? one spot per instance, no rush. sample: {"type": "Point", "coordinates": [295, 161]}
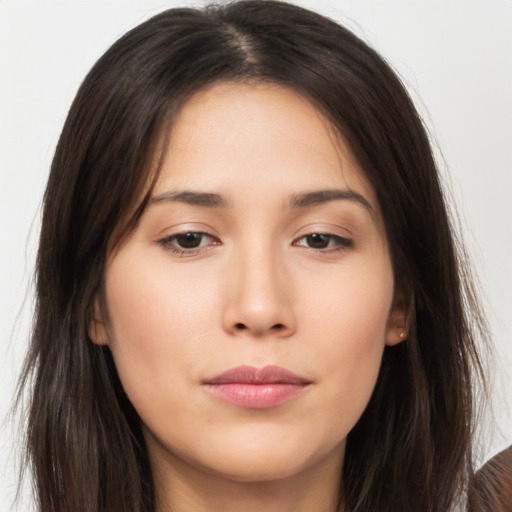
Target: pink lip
{"type": "Point", "coordinates": [256, 388]}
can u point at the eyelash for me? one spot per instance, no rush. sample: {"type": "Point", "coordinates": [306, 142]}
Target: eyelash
{"type": "Point", "coordinates": [335, 243]}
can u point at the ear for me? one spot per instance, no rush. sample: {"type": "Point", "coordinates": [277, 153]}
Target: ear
{"type": "Point", "coordinates": [399, 320]}
{"type": "Point", "coordinates": [97, 326]}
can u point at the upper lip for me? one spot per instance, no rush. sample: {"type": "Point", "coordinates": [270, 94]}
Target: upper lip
{"type": "Point", "coordinates": [252, 375]}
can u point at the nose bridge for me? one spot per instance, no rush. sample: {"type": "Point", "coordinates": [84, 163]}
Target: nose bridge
{"type": "Point", "coordinates": [261, 298]}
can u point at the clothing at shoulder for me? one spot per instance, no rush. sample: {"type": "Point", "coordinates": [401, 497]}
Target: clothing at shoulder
{"type": "Point", "coordinates": [491, 489]}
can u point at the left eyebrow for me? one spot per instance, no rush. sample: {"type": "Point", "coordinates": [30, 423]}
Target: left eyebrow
{"type": "Point", "coordinates": [317, 197]}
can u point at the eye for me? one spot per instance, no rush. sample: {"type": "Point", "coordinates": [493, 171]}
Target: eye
{"type": "Point", "coordinates": [189, 242]}
{"type": "Point", "coordinates": [324, 242]}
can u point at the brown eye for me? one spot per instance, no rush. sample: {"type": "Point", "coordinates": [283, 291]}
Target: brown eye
{"type": "Point", "coordinates": [190, 240]}
{"type": "Point", "coordinates": [324, 241]}
{"type": "Point", "coordinates": [317, 241]}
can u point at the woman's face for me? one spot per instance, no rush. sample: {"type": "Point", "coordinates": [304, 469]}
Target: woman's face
{"type": "Point", "coordinates": [249, 309]}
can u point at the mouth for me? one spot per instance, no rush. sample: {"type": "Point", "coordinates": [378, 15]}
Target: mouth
{"type": "Point", "coordinates": [257, 388]}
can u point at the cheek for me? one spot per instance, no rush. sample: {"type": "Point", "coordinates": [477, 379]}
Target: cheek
{"type": "Point", "coordinates": [150, 301]}
{"type": "Point", "coordinates": [350, 310]}
{"type": "Point", "coordinates": [159, 326]}
{"type": "Point", "coordinates": [349, 333]}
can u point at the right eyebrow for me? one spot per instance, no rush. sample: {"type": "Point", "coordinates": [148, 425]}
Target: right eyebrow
{"type": "Point", "coordinates": [207, 199]}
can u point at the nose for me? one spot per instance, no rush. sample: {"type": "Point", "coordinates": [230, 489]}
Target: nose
{"type": "Point", "coordinates": [260, 295]}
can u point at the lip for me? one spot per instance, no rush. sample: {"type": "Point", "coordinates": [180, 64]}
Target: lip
{"type": "Point", "coordinates": [256, 388]}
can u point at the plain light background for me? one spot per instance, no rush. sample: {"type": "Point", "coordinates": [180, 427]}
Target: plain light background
{"type": "Point", "coordinates": [455, 56]}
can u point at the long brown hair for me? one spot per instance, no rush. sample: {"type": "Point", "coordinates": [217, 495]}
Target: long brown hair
{"type": "Point", "coordinates": [411, 449]}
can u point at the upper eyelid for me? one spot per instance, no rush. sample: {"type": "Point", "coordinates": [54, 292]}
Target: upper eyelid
{"type": "Point", "coordinates": [179, 233]}
{"type": "Point", "coordinates": [345, 240]}
{"type": "Point", "coordinates": [323, 233]}
{"type": "Point", "coordinates": [298, 237]}
{"type": "Point", "coordinates": [332, 230]}
{"type": "Point", "coordinates": [186, 231]}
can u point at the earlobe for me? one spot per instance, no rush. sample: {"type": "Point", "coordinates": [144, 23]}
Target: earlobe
{"type": "Point", "coordinates": [399, 320]}
{"type": "Point", "coordinates": [396, 335]}
{"type": "Point", "coordinates": [97, 328]}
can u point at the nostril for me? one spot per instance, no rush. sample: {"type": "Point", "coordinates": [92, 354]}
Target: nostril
{"type": "Point", "coordinates": [259, 330]}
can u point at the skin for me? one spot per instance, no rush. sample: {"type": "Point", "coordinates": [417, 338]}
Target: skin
{"type": "Point", "coordinates": [254, 292]}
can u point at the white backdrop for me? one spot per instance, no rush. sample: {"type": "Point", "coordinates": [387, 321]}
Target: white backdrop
{"type": "Point", "coordinates": [456, 55]}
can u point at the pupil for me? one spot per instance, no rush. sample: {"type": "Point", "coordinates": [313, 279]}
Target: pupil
{"type": "Point", "coordinates": [189, 240]}
{"type": "Point", "coordinates": [318, 241]}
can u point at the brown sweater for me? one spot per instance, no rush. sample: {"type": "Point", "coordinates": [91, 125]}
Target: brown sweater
{"type": "Point", "coordinates": [491, 489]}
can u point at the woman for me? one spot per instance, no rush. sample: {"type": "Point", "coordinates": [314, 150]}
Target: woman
{"type": "Point", "coordinates": [249, 293]}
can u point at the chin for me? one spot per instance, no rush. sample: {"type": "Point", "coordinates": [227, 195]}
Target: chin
{"type": "Point", "coordinates": [268, 461]}
{"type": "Point", "coordinates": [258, 469]}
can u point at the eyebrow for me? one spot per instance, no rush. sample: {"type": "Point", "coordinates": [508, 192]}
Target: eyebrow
{"type": "Point", "coordinates": [207, 199]}
{"type": "Point", "coordinates": [297, 201]}
{"type": "Point", "coordinates": [317, 197]}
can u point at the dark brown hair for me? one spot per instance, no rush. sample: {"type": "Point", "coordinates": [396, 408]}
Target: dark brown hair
{"type": "Point", "coordinates": [411, 449]}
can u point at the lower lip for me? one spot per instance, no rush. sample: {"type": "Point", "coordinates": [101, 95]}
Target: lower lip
{"type": "Point", "coordinates": [256, 396]}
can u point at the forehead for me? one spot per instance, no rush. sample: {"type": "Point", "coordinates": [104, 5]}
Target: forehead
{"type": "Point", "coordinates": [230, 133]}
